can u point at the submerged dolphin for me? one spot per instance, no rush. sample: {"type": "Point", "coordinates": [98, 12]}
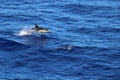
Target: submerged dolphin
{"type": "Point", "coordinates": [39, 29]}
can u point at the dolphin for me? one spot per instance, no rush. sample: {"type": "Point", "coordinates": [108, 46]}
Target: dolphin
{"type": "Point", "coordinates": [39, 29]}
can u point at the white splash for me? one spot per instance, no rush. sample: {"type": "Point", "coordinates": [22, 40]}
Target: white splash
{"type": "Point", "coordinates": [25, 32]}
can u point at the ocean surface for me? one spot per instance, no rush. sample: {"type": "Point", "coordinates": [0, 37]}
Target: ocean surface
{"type": "Point", "coordinates": [83, 42]}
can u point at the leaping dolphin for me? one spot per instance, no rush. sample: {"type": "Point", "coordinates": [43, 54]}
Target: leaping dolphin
{"type": "Point", "coordinates": [39, 29]}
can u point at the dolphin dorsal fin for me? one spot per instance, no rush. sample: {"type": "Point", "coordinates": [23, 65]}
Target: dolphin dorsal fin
{"type": "Point", "coordinates": [36, 26]}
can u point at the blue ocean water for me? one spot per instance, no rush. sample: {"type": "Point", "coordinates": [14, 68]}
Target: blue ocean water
{"type": "Point", "coordinates": [83, 43]}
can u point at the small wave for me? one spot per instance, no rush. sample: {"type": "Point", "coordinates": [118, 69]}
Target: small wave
{"type": "Point", "coordinates": [9, 45]}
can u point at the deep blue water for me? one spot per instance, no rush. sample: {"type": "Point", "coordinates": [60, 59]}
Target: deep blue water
{"type": "Point", "coordinates": [91, 28]}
